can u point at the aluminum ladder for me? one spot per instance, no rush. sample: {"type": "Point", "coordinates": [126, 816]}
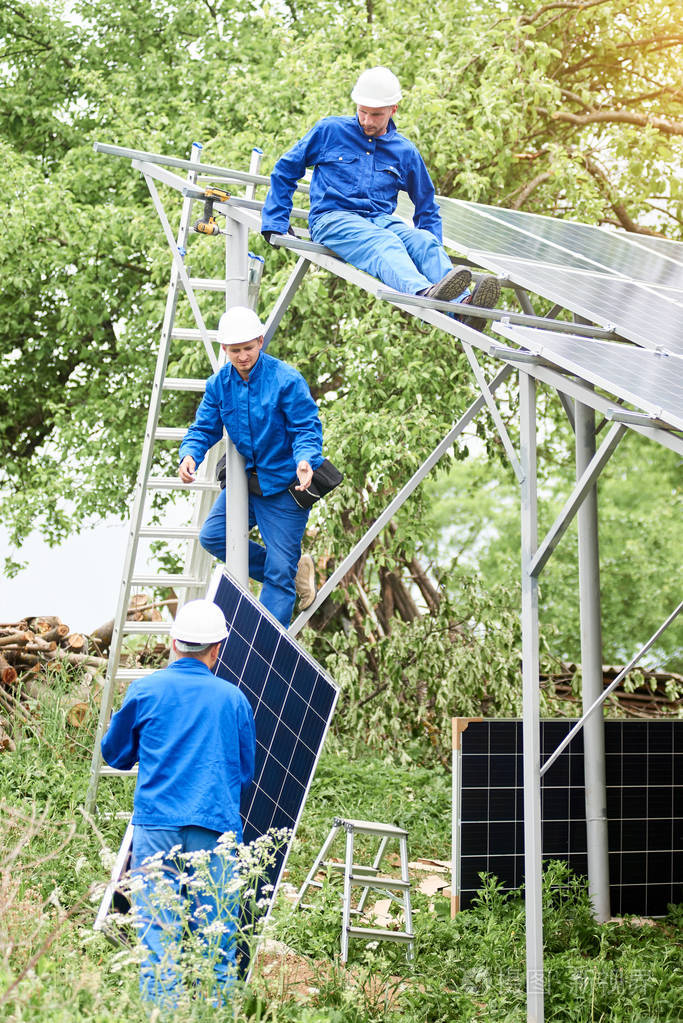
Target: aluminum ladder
{"type": "Point", "coordinates": [357, 875]}
{"type": "Point", "coordinates": [191, 582]}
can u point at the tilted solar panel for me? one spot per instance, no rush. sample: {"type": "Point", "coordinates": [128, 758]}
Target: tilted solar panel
{"type": "Point", "coordinates": [292, 700]}
{"type": "Point", "coordinates": [633, 283]}
{"type": "Point", "coordinates": [616, 252]}
{"type": "Point", "coordinates": [652, 382]}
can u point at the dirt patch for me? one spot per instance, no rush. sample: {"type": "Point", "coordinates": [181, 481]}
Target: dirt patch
{"type": "Point", "coordinates": [279, 972]}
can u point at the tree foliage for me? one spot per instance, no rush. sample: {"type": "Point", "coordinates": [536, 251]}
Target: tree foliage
{"type": "Point", "coordinates": [570, 108]}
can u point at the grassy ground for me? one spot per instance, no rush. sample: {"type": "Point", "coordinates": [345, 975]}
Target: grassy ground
{"type": "Point", "coordinates": [52, 966]}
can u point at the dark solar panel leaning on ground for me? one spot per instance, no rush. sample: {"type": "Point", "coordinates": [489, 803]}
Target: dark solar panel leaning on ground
{"type": "Point", "coordinates": [292, 700]}
{"type": "Point", "coordinates": [644, 773]}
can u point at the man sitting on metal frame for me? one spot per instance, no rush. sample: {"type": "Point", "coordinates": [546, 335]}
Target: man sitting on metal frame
{"type": "Point", "coordinates": [192, 736]}
{"type": "Point", "coordinates": [271, 418]}
{"type": "Point", "coordinates": [360, 164]}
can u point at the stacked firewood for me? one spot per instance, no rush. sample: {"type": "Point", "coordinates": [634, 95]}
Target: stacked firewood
{"type": "Point", "coordinates": [646, 693]}
{"type": "Point", "coordinates": [34, 647]}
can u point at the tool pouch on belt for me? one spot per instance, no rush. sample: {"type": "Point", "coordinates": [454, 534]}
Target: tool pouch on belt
{"type": "Point", "coordinates": [253, 484]}
{"type": "Point", "coordinates": [325, 478]}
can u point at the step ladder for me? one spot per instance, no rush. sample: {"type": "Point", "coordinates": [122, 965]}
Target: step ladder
{"type": "Point", "coordinates": [191, 582]}
{"type": "Point", "coordinates": [367, 878]}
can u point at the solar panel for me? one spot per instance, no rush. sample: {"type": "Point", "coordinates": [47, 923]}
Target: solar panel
{"type": "Point", "coordinates": [292, 699]}
{"type": "Point", "coordinates": [644, 768]}
{"type": "Point", "coordinates": [649, 380]}
{"type": "Point", "coordinates": [631, 282]}
{"type": "Point", "coordinates": [562, 240]}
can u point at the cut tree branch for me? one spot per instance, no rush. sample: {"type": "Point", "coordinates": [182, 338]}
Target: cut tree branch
{"type": "Point", "coordinates": [620, 117]}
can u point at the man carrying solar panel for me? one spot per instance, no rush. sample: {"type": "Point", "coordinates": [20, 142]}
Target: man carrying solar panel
{"type": "Point", "coordinates": [267, 408]}
{"type": "Point", "coordinates": [359, 166]}
{"type": "Point", "coordinates": [192, 736]}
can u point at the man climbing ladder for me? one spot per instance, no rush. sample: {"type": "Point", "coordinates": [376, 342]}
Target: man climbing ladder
{"type": "Point", "coordinates": [271, 418]}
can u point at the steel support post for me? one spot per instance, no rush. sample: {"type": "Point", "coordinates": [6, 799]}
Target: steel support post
{"type": "Point", "coordinates": [591, 671]}
{"type": "Point", "coordinates": [531, 707]}
{"type": "Point", "coordinates": [237, 504]}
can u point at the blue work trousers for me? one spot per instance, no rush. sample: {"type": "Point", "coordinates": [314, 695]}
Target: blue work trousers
{"type": "Point", "coordinates": [407, 259]}
{"type": "Point", "coordinates": [281, 523]}
{"type": "Point", "coordinates": [159, 910]}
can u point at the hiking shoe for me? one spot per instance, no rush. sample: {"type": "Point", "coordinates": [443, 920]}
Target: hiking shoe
{"type": "Point", "coordinates": [485, 295]}
{"type": "Point", "coordinates": [451, 286]}
{"type": "Point", "coordinates": [304, 582]}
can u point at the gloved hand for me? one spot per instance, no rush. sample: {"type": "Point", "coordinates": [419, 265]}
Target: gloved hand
{"type": "Point", "coordinates": [269, 234]}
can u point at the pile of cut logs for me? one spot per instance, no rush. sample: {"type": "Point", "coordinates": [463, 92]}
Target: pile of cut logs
{"type": "Point", "coordinates": [658, 694]}
{"type": "Point", "coordinates": [34, 647]}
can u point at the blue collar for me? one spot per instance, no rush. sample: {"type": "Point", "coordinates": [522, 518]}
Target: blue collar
{"type": "Point", "coordinates": [254, 372]}
{"type": "Point", "coordinates": [388, 134]}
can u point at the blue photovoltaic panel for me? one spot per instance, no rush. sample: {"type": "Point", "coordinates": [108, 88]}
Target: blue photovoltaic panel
{"type": "Point", "coordinates": [292, 700]}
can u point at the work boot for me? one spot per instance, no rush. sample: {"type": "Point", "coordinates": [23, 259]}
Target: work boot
{"type": "Point", "coordinates": [485, 295]}
{"type": "Point", "coordinates": [304, 582]}
{"type": "Point", "coordinates": [451, 286]}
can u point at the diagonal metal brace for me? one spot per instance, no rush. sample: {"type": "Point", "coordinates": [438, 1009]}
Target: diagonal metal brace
{"type": "Point", "coordinates": [576, 498]}
{"type": "Point", "coordinates": [391, 509]}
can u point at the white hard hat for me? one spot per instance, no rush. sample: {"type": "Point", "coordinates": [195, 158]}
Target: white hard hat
{"type": "Point", "coordinates": [238, 325]}
{"type": "Point", "coordinates": [376, 87]}
{"type": "Point", "coordinates": [201, 622]}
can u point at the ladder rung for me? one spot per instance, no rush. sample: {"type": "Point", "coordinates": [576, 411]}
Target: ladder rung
{"type": "Point", "coordinates": [372, 827]}
{"type": "Point", "coordinates": [167, 580]}
{"type": "Point", "coordinates": [192, 334]}
{"type": "Point", "coordinates": [130, 674]}
{"type": "Point", "coordinates": [357, 868]}
{"type": "Point", "coordinates": [175, 483]}
{"type": "Point", "coordinates": [170, 432]}
{"type": "Point", "coordinates": [208, 283]}
{"type": "Point", "coordinates": [379, 934]}
{"type": "Point", "coordinates": [170, 532]}
{"type": "Point", "coordinates": [385, 883]}
{"type": "Point", "coordinates": [147, 628]}
{"type": "Point", "coordinates": [184, 384]}
{"type": "Point", "coordinates": [106, 769]}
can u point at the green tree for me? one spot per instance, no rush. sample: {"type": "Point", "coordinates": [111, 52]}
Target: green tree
{"type": "Point", "coordinates": [568, 108]}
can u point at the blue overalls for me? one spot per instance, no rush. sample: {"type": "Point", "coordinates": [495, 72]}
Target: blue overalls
{"type": "Point", "coordinates": [273, 422]}
{"type": "Point", "coordinates": [192, 735]}
{"type": "Point", "coordinates": [355, 184]}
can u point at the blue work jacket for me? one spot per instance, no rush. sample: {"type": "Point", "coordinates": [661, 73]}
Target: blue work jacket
{"type": "Point", "coordinates": [352, 172]}
{"type": "Point", "coordinates": [192, 735]}
{"type": "Point", "coordinates": [271, 419]}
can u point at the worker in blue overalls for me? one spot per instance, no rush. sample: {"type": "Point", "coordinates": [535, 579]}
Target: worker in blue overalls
{"type": "Point", "coordinates": [271, 418]}
{"type": "Point", "coordinates": [359, 166]}
{"type": "Point", "coordinates": [192, 736]}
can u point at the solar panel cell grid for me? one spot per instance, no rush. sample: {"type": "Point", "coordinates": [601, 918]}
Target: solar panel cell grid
{"type": "Point", "coordinates": [292, 700]}
{"type": "Point", "coordinates": [644, 768]}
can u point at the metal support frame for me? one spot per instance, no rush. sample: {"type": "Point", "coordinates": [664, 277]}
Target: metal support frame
{"type": "Point", "coordinates": [590, 472]}
{"type": "Point", "coordinates": [610, 689]}
{"type": "Point", "coordinates": [591, 669]}
{"type": "Point", "coordinates": [237, 504]}
{"type": "Point", "coordinates": [244, 215]}
{"type": "Point", "coordinates": [531, 729]}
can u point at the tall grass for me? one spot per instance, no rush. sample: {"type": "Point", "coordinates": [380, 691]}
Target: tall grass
{"type": "Point", "coordinates": [54, 969]}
